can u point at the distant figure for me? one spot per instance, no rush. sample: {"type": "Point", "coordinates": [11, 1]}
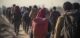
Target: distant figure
{"type": "Point", "coordinates": [26, 19]}
{"type": "Point", "coordinates": [8, 14]}
{"type": "Point", "coordinates": [47, 14]}
{"type": "Point", "coordinates": [4, 10]}
{"type": "Point", "coordinates": [53, 18]}
{"type": "Point", "coordinates": [40, 25]}
{"type": "Point", "coordinates": [13, 8]}
{"type": "Point", "coordinates": [30, 7]}
{"type": "Point", "coordinates": [12, 12]}
{"type": "Point", "coordinates": [33, 12]}
{"type": "Point", "coordinates": [17, 19]}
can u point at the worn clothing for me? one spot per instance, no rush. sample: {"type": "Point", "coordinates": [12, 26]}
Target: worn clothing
{"type": "Point", "coordinates": [40, 25]}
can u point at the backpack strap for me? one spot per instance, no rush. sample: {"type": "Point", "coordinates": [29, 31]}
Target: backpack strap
{"type": "Point", "coordinates": [67, 26]}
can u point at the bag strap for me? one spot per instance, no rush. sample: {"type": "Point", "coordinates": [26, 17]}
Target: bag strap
{"type": "Point", "coordinates": [67, 25]}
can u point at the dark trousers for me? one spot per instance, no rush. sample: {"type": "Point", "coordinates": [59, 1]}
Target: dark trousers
{"type": "Point", "coordinates": [26, 26]}
{"type": "Point", "coordinates": [16, 27]}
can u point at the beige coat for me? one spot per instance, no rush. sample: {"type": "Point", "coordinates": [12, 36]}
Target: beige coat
{"type": "Point", "coordinates": [58, 27]}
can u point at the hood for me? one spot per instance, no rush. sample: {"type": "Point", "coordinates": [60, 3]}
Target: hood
{"type": "Point", "coordinates": [41, 13]}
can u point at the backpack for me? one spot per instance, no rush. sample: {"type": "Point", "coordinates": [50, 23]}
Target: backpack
{"type": "Point", "coordinates": [69, 26]}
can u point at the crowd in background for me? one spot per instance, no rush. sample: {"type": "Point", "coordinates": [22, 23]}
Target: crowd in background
{"type": "Point", "coordinates": [42, 22]}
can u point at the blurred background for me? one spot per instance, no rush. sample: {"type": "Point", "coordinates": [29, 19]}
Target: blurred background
{"type": "Point", "coordinates": [46, 3]}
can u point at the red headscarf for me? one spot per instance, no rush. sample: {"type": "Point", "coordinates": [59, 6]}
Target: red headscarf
{"type": "Point", "coordinates": [41, 13]}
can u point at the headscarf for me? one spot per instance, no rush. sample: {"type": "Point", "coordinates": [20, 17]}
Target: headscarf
{"type": "Point", "coordinates": [41, 13]}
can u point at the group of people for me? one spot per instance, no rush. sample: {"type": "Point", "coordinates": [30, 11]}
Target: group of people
{"type": "Point", "coordinates": [44, 23]}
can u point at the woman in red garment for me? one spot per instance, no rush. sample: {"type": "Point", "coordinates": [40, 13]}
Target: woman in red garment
{"type": "Point", "coordinates": [40, 25]}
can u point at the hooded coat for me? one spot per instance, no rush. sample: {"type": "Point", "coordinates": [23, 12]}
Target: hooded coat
{"type": "Point", "coordinates": [40, 25]}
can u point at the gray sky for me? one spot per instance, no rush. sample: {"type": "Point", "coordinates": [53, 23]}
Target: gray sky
{"type": "Point", "coordinates": [46, 3]}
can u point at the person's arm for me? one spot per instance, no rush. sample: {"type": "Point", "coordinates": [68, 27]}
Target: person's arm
{"type": "Point", "coordinates": [58, 27]}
